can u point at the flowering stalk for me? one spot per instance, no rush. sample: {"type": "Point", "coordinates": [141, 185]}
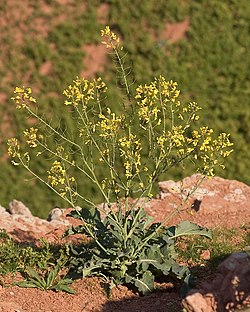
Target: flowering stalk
{"type": "Point", "coordinates": [113, 42]}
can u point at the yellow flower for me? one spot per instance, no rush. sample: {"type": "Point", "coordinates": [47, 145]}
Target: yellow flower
{"type": "Point", "coordinates": [23, 97]}
{"type": "Point", "coordinates": [130, 148]}
{"type": "Point", "coordinates": [59, 178]}
{"type": "Point", "coordinates": [57, 174]}
{"type": "Point", "coordinates": [113, 41]}
{"type": "Point", "coordinates": [13, 147]}
{"type": "Point", "coordinates": [110, 124]}
{"type": "Point", "coordinates": [176, 136]}
{"type": "Point", "coordinates": [160, 95]}
{"type": "Point", "coordinates": [161, 140]}
{"type": "Point", "coordinates": [82, 91]}
{"type": "Point", "coordinates": [31, 135]}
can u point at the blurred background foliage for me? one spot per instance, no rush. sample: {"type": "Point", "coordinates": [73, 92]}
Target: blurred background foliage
{"type": "Point", "coordinates": [203, 45]}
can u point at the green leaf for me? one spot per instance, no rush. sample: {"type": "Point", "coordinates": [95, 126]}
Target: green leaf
{"type": "Point", "coordinates": [179, 270]}
{"type": "Point", "coordinates": [168, 251]}
{"type": "Point", "coordinates": [86, 271]}
{"type": "Point", "coordinates": [189, 228]}
{"type": "Point", "coordinates": [67, 289]}
{"type": "Point", "coordinates": [151, 256]}
{"type": "Point", "coordinates": [27, 284]}
{"type": "Point", "coordinates": [51, 276]}
{"type": "Point", "coordinates": [146, 283]}
{"type": "Point", "coordinates": [63, 285]}
{"type": "Point", "coordinates": [70, 231]}
{"type": "Point", "coordinates": [33, 275]}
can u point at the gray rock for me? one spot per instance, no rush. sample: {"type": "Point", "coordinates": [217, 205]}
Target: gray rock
{"type": "Point", "coordinates": [55, 214]}
{"type": "Point", "coordinates": [17, 207]}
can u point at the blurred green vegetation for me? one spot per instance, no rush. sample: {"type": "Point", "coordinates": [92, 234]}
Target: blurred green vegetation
{"type": "Point", "coordinates": [210, 63]}
{"type": "Point", "coordinates": [223, 243]}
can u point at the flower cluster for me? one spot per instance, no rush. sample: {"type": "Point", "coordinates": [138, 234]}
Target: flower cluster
{"type": "Point", "coordinates": [213, 150]}
{"type": "Point", "coordinates": [168, 90]}
{"type": "Point", "coordinates": [31, 135]}
{"type": "Point", "coordinates": [13, 147]}
{"type": "Point", "coordinates": [130, 148]}
{"type": "Point", "coordinates": [82, 91]}
{"type": "Point", "coordinates": [222, 143]}
{"type": "Point", "coordinates": [191, 110]}
{"type": "Point", "coordinates": [209, 150]}
{"type": "Point", "coordinates": [147, 97]}
{"type": "Point", "coordinates": [23, 97]}
{"type": "Point", "coordinates": [57, 174]}
{"type": "Point", "coordinates": [113, 41]}
{"type": "Point", "coordinates": [170, 139]}
{"type": "Point", "coordinates": [157, 96]}
{"type": "Point", "coordinates": [110, 124]}
{"type": "Point", "coordinates": [14, 151]}
{"type": "Point", "coordinates": [176, 136]}
{"type": "Point", "coordinates": [58, 177]}
{"type": "Point", "coordinates": [200, 145]}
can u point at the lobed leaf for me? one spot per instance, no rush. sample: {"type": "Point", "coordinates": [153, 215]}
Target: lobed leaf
{"type": "Point", "coordinates": [189, 228]}
{"type": "Point", "coordinates": [146, 283]}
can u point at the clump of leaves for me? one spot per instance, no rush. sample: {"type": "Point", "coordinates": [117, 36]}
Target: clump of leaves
{"type": "Point", "coordinates": [29, 260]}
{"type": "Point", "coordinates": [146, 251]}
{"type": "Point", "coordinates": [48, 281]}
{"type": "Point", "coordinates": [16, 257]}
{"type": "Point", "coordinates": [9, 261]}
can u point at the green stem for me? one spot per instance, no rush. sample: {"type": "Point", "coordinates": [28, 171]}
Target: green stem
{"type": "Point", "coordinates": [123, 74]}
{"type": "Point", "coordinates": [46, 183]}
{"type": "Point", "coordinates": [100, 152]}
{"type": "Point", "coordinates": [94, 237]}
{"type": "Point", "coordinates": [65, 160]}
{"type": "Point", "coordinates": [137, 216]}
{"type": "Point", "coordinates": [94, 179]}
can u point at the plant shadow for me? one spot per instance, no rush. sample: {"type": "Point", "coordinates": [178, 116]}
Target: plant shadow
{"type": "Point", "coordinates": [169, 300]}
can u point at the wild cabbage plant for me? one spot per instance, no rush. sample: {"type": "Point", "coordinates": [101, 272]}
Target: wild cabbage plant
{"type": "Point", "coordinates": [151, 132]}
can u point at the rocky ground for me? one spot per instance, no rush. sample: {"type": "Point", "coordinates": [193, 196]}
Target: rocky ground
{"type": "Point", "coordinates": [216, 203]}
